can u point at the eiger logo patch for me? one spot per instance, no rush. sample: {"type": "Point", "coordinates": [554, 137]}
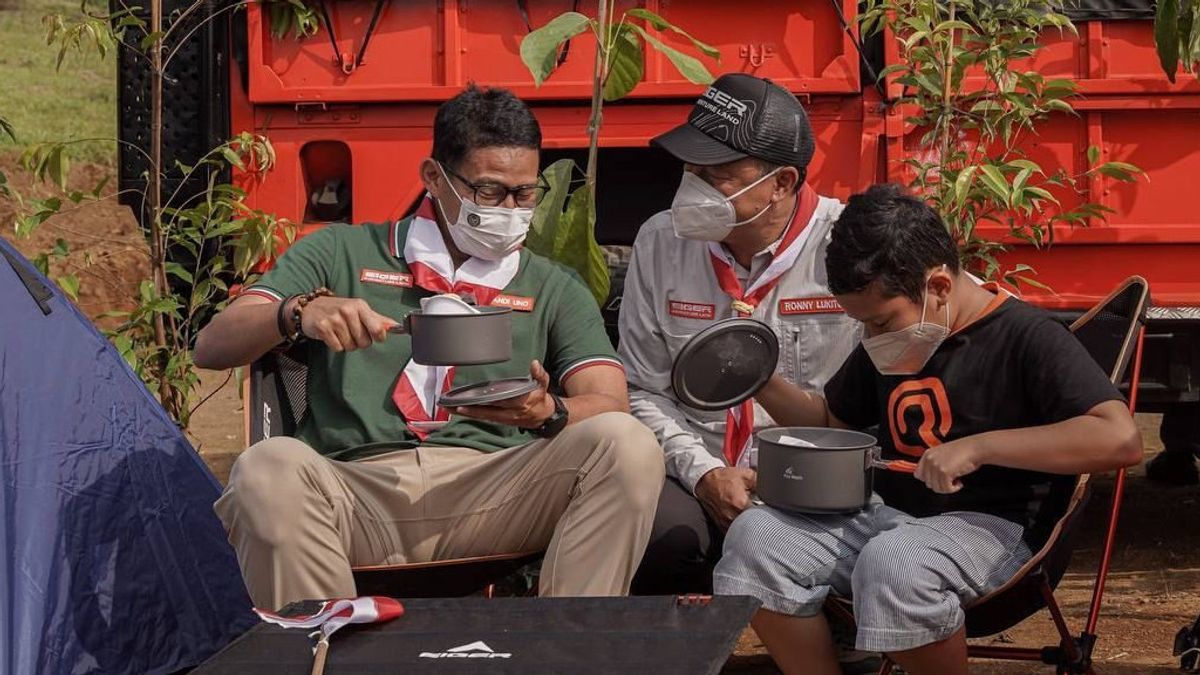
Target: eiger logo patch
{"type": "Point", "coordinates": [719, 103]}
{"type": "Point", "coordinates": [475, 650]}
{"type": "Point", "coordinates": [691, 310]}
{"type": "Point", "coordinates": [369, 276]}
{"type": "Point", "coordinates": [825, 305]}
{"type": "Point", "coordinates": [518, 303]}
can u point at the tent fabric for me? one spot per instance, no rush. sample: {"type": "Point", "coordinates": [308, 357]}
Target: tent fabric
{"type": "Point", "coordinates": [111, 558]}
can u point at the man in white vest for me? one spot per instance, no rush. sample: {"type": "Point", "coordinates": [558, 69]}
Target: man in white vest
{"type": "Point", "coordinates": [745, 237]}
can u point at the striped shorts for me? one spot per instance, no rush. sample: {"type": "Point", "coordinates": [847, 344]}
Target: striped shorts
{"type": "Point", "coordinates": [908, 577]}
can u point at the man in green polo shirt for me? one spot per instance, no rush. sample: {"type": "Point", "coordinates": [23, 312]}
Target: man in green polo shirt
{"type": "Point", "coordinates": [379, 473]}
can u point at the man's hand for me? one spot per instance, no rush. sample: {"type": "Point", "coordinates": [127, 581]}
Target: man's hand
{"type": "Point", "coordinates": [943, 465]}
{"type": "Point", "coordinates": [527, 412]}
{"type": "Point", "coordinates": [725, 493]}
{"type": "Point", "coordinates": [344, 324]}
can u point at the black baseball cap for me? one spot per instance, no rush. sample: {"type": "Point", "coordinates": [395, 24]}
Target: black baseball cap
{"type": "Point", "coordinates": [741, 116]}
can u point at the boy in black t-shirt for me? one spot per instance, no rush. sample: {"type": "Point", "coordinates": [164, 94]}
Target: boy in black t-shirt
{"type": "Point", "coordinates": [998, 401]}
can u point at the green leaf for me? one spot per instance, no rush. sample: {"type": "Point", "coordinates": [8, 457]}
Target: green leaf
{"type": "Point", "coordinates": [962, 185]}
{"type": "Point", "coordinates": [576, 244]}
{"type": "Point", "coordinates": [995, 180]}
{"type": "Point", "coordinates": [625, 64]}
{"type": "Point", "coordinates": [661, 24]}
{"type": "Point", "coordinates": [57, 166]}
{"type": "Point", "coordinates": [688, 66]}
{"type": "Point", "coordinates": [1093, 154]}
{"type": "Point", "coordinates": [1059, 105]}
{"type": "Point", "coordinates": [177, 270]}
{"type": "Point", "coordinates": [539, 49]}
{"type": "Point", "coordinates": [1166, 36]}
{"type": "Point", "coordinates": [69, 283]}
{"type": "Point", "coordinates": [1033, 167]}
{"type": "Point", "coordinates": [233, 158]}
{"type": "Point", "coordinates": [547, 213]}
{"type": "Point", "coordinates": [568, 237]}
{"type": "Point", "coordinates": [1042, 193]}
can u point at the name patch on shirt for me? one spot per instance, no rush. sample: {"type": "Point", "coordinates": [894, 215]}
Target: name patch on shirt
{"type": "Point", "coordinates": [518, 303]}
{"type": "Point", "coordinates": [691, 310]}
{"type": "Point", "coordinates": [826, 305]}
{"type": "Point", "coordinates": [400, 279]}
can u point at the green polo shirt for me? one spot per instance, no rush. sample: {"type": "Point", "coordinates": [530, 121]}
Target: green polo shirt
{"type": "Point", "coordinates": [351, 413]}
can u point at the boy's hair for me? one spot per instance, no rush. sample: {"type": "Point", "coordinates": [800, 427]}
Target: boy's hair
{"type": "Point", "coordinates": [482, 118]}
{"type": "Point", "coordinates": [888, 235]}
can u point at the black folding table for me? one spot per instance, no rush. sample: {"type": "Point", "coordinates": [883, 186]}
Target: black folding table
{"type": "Point", "coordinates": [525, 635]}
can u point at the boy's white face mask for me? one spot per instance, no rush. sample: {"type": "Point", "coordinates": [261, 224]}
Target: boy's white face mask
{"type": "Point", "coordinates": [487, 232]}
{"type": "Point", "coordinates": [906, 351]}
{"type": "Point", "coordinates": [701, 211]}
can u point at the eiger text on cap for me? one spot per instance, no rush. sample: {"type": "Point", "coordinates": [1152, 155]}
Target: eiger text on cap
{"type": "Point", "coordinates": [740, 116]}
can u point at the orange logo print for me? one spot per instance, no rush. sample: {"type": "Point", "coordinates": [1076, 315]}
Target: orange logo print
{"type": "Point", "coordinates": [926, 397]}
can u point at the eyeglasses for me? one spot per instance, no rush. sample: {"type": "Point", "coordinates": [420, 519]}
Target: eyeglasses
{"type": "Point", "coordinates": [495, 194]}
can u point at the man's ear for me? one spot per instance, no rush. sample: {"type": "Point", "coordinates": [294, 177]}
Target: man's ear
{"type": "Point", "coordinates": [786, 183]}
{"type": "Point", "coordinates": [941, 283]}
{"type": "Point", "coordinates": [431, 175]}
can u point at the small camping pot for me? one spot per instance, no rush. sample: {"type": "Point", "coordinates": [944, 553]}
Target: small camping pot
{"type": "Point", "coordinates": [483, 336]}
{"type": "Point", "coordinates": [819, 470]}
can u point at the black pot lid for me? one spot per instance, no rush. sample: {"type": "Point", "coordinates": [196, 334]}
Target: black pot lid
{"type": "Point", "coordinates": [725, 364]}
{"type": "Point", "coordinates": [482, 393]}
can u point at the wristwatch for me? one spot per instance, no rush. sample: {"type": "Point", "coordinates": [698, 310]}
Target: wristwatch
{"type": "Point", "coordinates": [555, 422]}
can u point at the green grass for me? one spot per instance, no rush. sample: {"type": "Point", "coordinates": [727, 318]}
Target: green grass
{"type": "Point", "coordinates": [44, 104]}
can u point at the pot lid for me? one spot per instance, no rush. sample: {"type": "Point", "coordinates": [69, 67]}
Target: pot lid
{"type": "Point", "coordinates": [725, 364]}
{"type": "Point", "coordinates": [482, 393]}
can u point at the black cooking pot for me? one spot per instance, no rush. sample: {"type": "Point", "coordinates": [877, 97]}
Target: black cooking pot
{"type": "Point", "coordinates": [459, 339]}
{"type": "Point", "coordinates": [819, 470]}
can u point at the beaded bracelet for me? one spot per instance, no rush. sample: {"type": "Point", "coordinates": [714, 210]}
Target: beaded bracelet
{"type": "Point", "coordinates": [301, 303]}
{"type": "Point", "coordinates": [288, 336]}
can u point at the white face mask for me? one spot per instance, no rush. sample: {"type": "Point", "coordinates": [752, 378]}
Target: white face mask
{"type": "Point", "coordinates": [906, 351]}
{"type": "Point", "coordinates": [487, 232]}
{"type": "Point", "coordinates": [701, 211]}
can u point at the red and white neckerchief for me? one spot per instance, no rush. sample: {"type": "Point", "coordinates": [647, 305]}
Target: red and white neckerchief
{"type": "Point", "coordinates": [334, 614]}
{"type": "Point", "coordinates": [739, 420]}
{"type": "Point", "coordinates": [429, 261]}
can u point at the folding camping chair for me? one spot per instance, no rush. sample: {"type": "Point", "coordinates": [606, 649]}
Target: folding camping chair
{"type": "Point", "coordinates": [278, 403]}
{"type": "Point", "coordinates": [1112, 333]}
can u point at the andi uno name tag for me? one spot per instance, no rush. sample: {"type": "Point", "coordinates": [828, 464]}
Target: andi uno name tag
{"type": "Point", "coordinates": [692, 310]}
{"type": "Point", "coordinates": [825, 305]}
{"type": "Point", "coordinates": [400, 279]}
{"type": "Point", "coordinates": [518, 303]}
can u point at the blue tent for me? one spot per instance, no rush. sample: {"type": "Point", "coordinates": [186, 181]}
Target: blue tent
{"type": "Point", "coordinates": [111, 559]}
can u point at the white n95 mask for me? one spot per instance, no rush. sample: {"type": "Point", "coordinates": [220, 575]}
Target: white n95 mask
{"type": "Point", "coordinates": [701, 211]}
{"type": "Point", "coordinates": [906, 351]}
{"type": "Point", "coordinates": [487, 232]}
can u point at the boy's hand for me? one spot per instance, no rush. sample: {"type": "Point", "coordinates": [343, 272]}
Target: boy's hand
{"type": "Point", "coordinates": [943, 465]}
{"type": "Point", "coordinates": [725, 493]}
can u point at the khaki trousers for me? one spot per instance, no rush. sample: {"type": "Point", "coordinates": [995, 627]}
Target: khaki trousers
{"type": "Point", "coordinates": [299, 521]}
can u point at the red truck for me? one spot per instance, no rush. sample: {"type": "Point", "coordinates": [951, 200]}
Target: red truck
{"type": "Point", "coordinates": [350, 112]}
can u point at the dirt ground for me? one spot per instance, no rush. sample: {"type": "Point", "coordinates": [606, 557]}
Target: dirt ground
{"type": "Point", "coordinates": [1154, 586]}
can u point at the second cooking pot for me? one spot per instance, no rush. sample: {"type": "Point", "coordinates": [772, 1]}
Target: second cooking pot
{"type": "Point", "coordinates": [819, 470]}
{"type": "Point", "coordinates": [483, 336]}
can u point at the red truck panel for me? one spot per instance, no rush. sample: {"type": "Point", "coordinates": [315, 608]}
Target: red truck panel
{"type": "Point", "coordinates": [427, 50]}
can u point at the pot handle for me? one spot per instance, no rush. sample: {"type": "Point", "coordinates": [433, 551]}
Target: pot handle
{"type": "Point", "coordinates": [875, 460]}
{"type": "Point", "coordinates": [404, 327]}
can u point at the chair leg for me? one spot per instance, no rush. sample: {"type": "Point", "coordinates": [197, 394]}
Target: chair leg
{"type": "Point", "coordinates": [886, 666]}
{"type": "Point", "coordinates": [489, 591]}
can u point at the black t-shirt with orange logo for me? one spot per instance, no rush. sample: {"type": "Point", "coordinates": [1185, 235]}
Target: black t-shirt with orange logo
{"type": "Point", "coordinates": [1013, 367]}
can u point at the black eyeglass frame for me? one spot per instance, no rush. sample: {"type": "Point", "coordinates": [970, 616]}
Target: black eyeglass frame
{"type": "Point", "coordinates": [542, 185]}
